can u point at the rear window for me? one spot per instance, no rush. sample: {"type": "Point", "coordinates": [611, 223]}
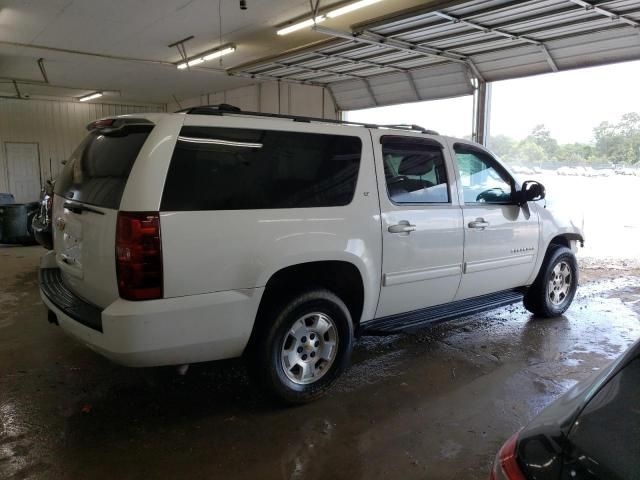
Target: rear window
{"type": "Point", "coordinates": [236, 169]}
{"type": "Point", "coordinates": [97, 171]}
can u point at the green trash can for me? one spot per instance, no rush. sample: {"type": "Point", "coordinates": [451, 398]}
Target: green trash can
{"type": "Point", "coordinates": [15, 223]}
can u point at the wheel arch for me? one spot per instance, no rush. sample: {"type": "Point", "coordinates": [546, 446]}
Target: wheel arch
{"type": "Point", "coordinates": [565, 240]}
{"type": "Point", "coordinates": [341, 277]}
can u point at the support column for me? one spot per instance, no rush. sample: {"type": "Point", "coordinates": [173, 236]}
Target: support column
{"type": "Point", "coordinates": [481, 112]}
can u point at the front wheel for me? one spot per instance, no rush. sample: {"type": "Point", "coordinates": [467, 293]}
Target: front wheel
{"type": "Point", "coordinates": [555, 287]}
{"type": "Point", "coordinates": [303, 350]}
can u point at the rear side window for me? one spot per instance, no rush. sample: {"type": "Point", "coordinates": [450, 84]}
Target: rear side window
{"type": "Point", "coordinates": [237, 169]}
{"type": "Point", "coordinates": [414, 170]}
{"type": "Point", "coordinates": [97, 171]}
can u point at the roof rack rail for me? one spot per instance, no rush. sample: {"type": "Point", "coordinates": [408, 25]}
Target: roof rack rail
{"type": "Point", "coordinates": [225, 108]}
{"type": "Point", "coordinates": [412, 127]}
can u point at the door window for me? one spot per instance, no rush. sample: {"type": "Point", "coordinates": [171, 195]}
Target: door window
{"type": "Point", "coordinates": [414, 170]}
{"type": "Point", "coordinates": [483, 180]}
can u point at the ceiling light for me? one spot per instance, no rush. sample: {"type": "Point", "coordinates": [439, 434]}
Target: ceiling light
{"type": "Point", "coordinates": [91, 96]}
{"type": "Point", "coordinates": [195, 61]}
{"type": "Point", "coordinates": [300, 25]}
{"type": "Point", "coordinates": [350, 8]}
{"type": "Point", "coordinates": [206, 56]}
{"type": "Point", "coordinates": [219, 53]}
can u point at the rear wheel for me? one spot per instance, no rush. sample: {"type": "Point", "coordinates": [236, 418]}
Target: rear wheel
{"type": "Point", "coordinates": [555, 287]}
{"type": "Point", "coordinates": [303, 349]}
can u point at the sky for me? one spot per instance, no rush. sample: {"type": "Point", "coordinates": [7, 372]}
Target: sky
{"type": "Point", "coordinates": [570, 104]}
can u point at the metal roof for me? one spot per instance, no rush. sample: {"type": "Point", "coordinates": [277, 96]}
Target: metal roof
{"type": "Point", "coordinates": [428, 54]}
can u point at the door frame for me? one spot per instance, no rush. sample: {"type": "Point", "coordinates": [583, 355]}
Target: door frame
{"type": "Point", "coordinates": [6, 158]}
{"type": "Point", "coordinates": [386, 203]}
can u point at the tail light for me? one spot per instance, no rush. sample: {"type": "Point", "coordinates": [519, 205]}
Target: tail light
{"type": "Point", "coordinates": [505, 466]}
{"type": "Point", "coordinates": [139, 255]}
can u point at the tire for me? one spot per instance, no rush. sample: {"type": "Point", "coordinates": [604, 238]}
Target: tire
{"type": "Point", "coordinates": [555, 287]}
{"type": "Point", "coordinates": [308, 324]}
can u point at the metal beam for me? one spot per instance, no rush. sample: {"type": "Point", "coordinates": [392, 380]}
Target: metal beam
{"type": "Point", "coordinates": [552, 63]}
{"type": "Point", "coordinates": [414, 87]}
{"type": "Point", "coordinates": [391, 44]}
{"type": "Point", "coordinates": [353, 61]}
{"type": "Point", "coordinates": [502, 33]}
{"type": "Point", "coordinates": [437, 52]}
{"type": "Point", "coordinates": [370, 90]}
{"type": "Point", "coordinates": [261, 76]}
{"type": "Point", "coordinates": [481, 112]}
{"type": "Point", "coordinates": [607, 13]}
{"type": "Point", "coordinates": [548, 26]}
{"type": "Point", "coordinates": [42, 70]}
{"type": "Point", "coordinates": [487, 29]}
{"type": "Point", "coordinates": [324, 72]}
{"type": "Point", "coordinates": [401, 45]}
{"type": "Point", "coordinates": [422, 48]}
{"type": "Point", "coordinates": [15, 85]}
{"type": "Point", "coordinates": [333, 99]}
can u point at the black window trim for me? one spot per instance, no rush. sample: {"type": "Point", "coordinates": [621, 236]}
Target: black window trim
{"type": "Point", "coordinates": [495, 164]}
{"type": "Point", "coordinates": [422, 141]}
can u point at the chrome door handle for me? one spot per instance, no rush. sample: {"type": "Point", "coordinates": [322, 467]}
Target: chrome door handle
{"type": "Point", "coordinates": [479, 223]}
{"type": "Point", "coordinates": [402, 227]}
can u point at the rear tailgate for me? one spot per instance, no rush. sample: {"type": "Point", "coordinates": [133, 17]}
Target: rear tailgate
{"type": "Point", "coordinates": [86, 203]}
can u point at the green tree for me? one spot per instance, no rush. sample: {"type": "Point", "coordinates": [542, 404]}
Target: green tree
{"type": "Point", "coordinates": [530, 153]}
{"type": "Point", "coordinates": [541, 136]}
{"type": "Point", "coordinates": [619, 142]}
{"type": "Point", "coordinates": [503, 146]}
{"type": "Point", "coordinates": [577, 153]}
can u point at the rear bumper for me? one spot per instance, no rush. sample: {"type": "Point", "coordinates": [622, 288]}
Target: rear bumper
{"type": "Point", "coordinates": [172, 331]}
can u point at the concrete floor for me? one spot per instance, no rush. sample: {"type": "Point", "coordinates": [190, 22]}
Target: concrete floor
{"type": "Point", "coordinates": [437, 404]}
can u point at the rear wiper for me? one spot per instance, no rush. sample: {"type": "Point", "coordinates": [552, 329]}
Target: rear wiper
{"type": "Point", "coordinates": [79, 208]}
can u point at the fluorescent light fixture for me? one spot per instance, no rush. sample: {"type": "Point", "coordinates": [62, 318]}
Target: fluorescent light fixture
{"type": "Point", "coordinates": [310, 22]}
{"type": "Point", "coordinates": [300, 25]}
{"type": "Point", "coordinates": [351, 7]}
{"type": "Point", "coordinates": [91, 96]}
{"type": "Point", "coordinates": [216, 141]}
{"type": "Point", "coordinates": [206, 56]}
{"type": "Point", "coordinates": [195, 61]}
{"type": "Point", "coordinates": [219, 53]}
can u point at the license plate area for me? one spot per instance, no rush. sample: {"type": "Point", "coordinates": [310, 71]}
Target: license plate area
{"type": "Point", "coordinates": [70, 255]}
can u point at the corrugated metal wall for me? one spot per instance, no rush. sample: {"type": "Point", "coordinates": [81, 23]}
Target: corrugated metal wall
{"type": "Point", "coordinates": [270, 97]}
{"type": "Point", "coordinates": [56, 126]}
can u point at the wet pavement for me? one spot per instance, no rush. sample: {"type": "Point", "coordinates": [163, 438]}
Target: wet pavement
{"type": "Point", "coordinates": [436, 404]}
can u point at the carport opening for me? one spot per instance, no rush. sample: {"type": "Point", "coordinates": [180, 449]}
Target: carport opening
{"type": "Point", "coordinates": [449, 116]}
{"type": "Point", "coordinates": [577, 132]}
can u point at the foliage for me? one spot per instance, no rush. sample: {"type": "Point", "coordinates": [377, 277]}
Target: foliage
{"type": "Point", "coordinates": [619, 142]}
{"type": "Point", "coordinates": [615, 143]}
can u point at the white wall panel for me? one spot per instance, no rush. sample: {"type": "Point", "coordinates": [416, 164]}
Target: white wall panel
{"type": "Point", "coordinates": [270, 97]}
{"type": "Point", "coordinates": [56, 126]}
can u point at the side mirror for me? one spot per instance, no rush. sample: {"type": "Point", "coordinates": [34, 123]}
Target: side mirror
{"type": "Point", "coordinates": [531, 191]}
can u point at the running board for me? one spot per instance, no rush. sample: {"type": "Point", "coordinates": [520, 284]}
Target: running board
{"type": "Point", "coordinates": [407, 322]}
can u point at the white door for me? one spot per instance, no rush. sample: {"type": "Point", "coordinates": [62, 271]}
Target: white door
{"type": "Point", "coordinates": [23, 166]}
{"type": "Point", "coordinates": [422, 234]}
{"type": "Point", "coordinates": [501, 237]}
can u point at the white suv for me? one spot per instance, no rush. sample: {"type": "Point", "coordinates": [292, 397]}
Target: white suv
{"type": "Point", "coordinates": [214, 233]}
